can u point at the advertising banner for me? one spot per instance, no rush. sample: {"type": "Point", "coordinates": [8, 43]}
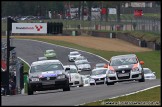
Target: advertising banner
{"type": "Point", "coordinates": [29, 28]}
{"type": "Point", "coordinates": [112, 10]}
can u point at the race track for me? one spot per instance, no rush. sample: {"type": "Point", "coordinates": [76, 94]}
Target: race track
{"type": "Point", "coordinates": [30, 50]}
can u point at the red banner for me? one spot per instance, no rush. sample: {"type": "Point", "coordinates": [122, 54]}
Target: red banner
{"type": "Point", "coordinates": [103, 11]}
{"type": "Point", "coordinates": [3, 65]}
{"type": "Point", "coordinates": [138, 12]}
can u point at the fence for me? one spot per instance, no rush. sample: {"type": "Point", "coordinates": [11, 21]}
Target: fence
{"type": "Point", "coordinates": [128, 23]}
{"type": "Point", "coordinates": [143, 24]}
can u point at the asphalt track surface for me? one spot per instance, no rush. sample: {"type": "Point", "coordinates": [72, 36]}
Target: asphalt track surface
{"type": "Point", "coordinates": [30, 50]}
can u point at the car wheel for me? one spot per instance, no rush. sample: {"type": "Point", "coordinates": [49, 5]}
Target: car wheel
{"type": "Point", "coordinates": [30, 91]}
{"type": "Point", "coordinates": [109, 83]}
{"type": "Point", "coordinates": [66, 88]}
{"type": "Point", "coordinates": [142, 79]}
{"type": "Point", "coordinates": [80, 85]}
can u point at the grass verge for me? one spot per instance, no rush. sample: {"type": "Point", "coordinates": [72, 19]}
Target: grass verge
{"type": "Point", "coordinates": [148, 98]}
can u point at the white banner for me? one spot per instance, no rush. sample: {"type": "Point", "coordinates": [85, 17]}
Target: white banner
{"type": "Point", "coordinates": [29, 28]}
{"type": "Point", "coordinates": [112, 10]}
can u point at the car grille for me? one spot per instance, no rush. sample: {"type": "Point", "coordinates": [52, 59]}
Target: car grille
{"type": "Point", "coordinates": [125, 77]}
{"type": "Point", "coordinates": [126, 71]}
{"type": "Point", "coordinates": [99, 79]}
{"type": "Point", "coordinates": [135, 76]}
{"type": "Point", "coordinates": [45, 78]}
{"type": "Point", "coordinates": [112, 78]}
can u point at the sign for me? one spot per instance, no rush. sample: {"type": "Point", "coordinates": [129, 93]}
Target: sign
{"type": "Point", "coordinates": [3, 65]}
{"type": "Point", "coordinates": [103, 11]}
{"type": "Point", "coordinates": [138, 12]}
{"type": "Point", "coordinates": [112, 10]}
{"type": "Point", "coordinates": [29, 28]}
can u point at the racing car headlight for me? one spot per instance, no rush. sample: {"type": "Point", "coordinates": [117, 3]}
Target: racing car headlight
{"type": "Point", "coordinates": [34, 79]}
{"type": "Point", "coordinates": [111, 72]}
{"type": "Point", "coordinates": [135, 69]}
{"type": "Point", "coordinates": [61, 76]}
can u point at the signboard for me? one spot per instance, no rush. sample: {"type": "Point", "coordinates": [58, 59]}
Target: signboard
{"type": "Point", "coordinates": [29, 28]}
{"type": "Point", "coordinates": [112, 10]}
{"type": "Point", "coordinates": [103, 11]}
{"type": "Point", "coordinates": [3, 65]}
{"type": "Point", "coordinates": [137, 4]}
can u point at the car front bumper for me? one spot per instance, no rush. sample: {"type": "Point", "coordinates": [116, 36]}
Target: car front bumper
{"type": "Point", "coordinates": [47, 85]}
{"type": "Point", "coordinates": [115, 78]}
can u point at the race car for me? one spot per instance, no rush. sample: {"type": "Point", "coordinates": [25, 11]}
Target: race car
{"type": "Point", "coordinates": [75, 79]}
{"type": "Point", "coordinates": [98, 76]}
{"type": "Point", "coordinates": [47, 75]}
{"type": "Point", "coordinates": [83, 65]}
{"type": "Point", "coordinates": [50, 54]}
{"type": "Point", "coordinates": [72, 56]}
{"type": "Point", "coordinates": [148, 74]}
{"type": "Point", "coordinates": [124, 68]}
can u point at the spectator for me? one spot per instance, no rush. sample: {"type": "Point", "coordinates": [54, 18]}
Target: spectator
{"type": "Point", "coordinates": [12, 87]}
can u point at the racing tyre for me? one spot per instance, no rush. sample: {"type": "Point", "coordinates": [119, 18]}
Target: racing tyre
{"type": "Point", "coordinates": [30, 91]}
{"type": "Point", "coordinates": [142, 79]}
{"type": "Point", "coordinates": [80, 85]}
{"type": "Point", "coordinates": [109, 83]}
{"type": "Point", "coordinates": [66, 88]}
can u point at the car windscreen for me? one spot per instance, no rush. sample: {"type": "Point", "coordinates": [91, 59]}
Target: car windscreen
{"type": "Point", "coordinates": [99, 72]}
{"type": "Point", "coordinates": [46, 67]}
{"type": "Point", "coordinates": [123, 61]}
{"type": "Point", "coordinates": [74, 53]}
{"type": "Point", "coordinates": [50, 51]}
{"type": "Point", "coordinates": [147, 71]}
{"type": "Point", "coordinates": [72, 71]}
{"type": "Point", "coordinates": [82, 62]}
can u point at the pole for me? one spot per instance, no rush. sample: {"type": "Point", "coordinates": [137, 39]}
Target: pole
{"type": "Point", "coordinates": [8, 55]}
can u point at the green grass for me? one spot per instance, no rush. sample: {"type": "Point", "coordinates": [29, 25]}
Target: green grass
{"type": "Point", "coordinates": [148, 96]}
{"type": "Point", "coordinates": [26, 68]}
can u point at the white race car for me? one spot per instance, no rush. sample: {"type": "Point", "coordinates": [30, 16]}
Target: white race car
{"type": "Point", "coordinates": [124, 68]}
{"type": "Point", "coordinates": [148, 74]}
{"type": "Point", "coordinates": [75, 79]}
{"type": "Point", "coordinates": [86, 80]}
{"type": "Point", "coordinates": [98, 76]}
{"type": "Point", "coordinates": [73, 55]}
{"type": "Point", "coordinates": [83, 65]}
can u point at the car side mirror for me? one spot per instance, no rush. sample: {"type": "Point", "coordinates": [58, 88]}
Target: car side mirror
{"type": "Point", "coordinates": [66, 69]}
{"type": "Point", "coordinates": [142, 62]}
{"type": "Point", "coordinates": [153, 72]}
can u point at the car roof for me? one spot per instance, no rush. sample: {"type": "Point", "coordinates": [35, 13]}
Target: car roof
{"type": "Point", "coordinates": [70, 66]}
{"type": "Point", "coordinates": [74, 52]}
{"type": "Point", "coordinates": [45, 61]}
{"type": "Point", "coordinates": [146, 68]}
{"type": "Point", "coordinates": [123, 56]}
{"type": "Point", "coordinates": [49, 50]}
{"type": "Point", "coordinates": [98, 69]}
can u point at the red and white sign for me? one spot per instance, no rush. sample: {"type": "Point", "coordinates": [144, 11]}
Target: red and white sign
{"type": "Point", "coordinates": [29, 28]}
{"type": "Point", "coordinates": [3, 65]}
